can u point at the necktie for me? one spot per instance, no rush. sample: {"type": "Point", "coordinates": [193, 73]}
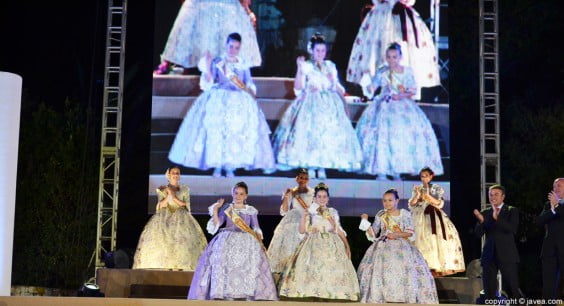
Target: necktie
{"type": "Point", "coordinates": [496, 214]}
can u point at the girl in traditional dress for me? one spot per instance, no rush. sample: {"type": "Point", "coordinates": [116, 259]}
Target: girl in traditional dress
{"type": "Point", "coordinates": [393, 270]}
{"type": "Point", "coordinates": [394, 21]}
{"type": "Point", "coordinates": [286, 238]}
{"type": "Point", "coordinates": [225, 128]}
{"type": "Point", "coordinates": [202, 25]}
{"type": "Point", "coordinates": [172, 239]}
{"type": "Point", "coordinates": [437, 238]}
{"type": "Point", "coordinates": [315, 131]}
{"type": "Point", "coordinates": [395, 134]}
{"type": "Point", "coordinates": [321, 266]}
{"type": "Point", "coordinates": [234, 265]}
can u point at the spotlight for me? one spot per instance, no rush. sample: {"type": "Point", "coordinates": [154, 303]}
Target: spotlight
{"type": "Point", "coordinates": [90, 290]}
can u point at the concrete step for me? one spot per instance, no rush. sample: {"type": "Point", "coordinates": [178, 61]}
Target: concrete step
{"type": "Point", "coordinates": [188, 85]}
{"type": "Point", "coordinates": [176, 107]}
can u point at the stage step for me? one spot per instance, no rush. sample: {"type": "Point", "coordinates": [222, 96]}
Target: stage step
{"type": "Point", "coordinates": [163, 284]}
{"type": "Point", "coordinates": [119, 282]}
{"type": "Point", "coordinates": [189, 85]}
{"type": "Point", "coordinates": [141, 291]}
{"type": "Point", "coordinates": [165, 107]}
{"type": "Point", "coordinates": [456, 290]}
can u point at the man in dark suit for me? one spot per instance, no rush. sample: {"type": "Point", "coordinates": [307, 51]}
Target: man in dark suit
{"type": "Point", "coordinates": [552, 252]}
{"type": "Point", "coordinates": [499, 223]}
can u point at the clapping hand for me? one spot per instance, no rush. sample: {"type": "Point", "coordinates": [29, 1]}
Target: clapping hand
{"type": "Point", "coordinates": [553, 198]}
{"type": "Point", "coordinates": [479, 216]}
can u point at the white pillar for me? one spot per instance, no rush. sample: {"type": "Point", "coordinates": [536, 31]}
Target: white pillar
{"type": "Point", "coordinates": [10, 102]}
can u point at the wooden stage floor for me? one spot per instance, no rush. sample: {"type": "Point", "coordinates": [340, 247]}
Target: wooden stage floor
{"type": "Point", "coordinates": [80, 301]}
{"type": "Point", "coordinates": [161, 284]}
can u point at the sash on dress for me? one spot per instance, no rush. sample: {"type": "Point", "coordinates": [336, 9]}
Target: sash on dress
{"type": "Point", "coordinates": [240, 223]}
{"type": "Point", "coordinates": [435, 213]}
{"type": "Point", "coordinates": [299, 199]}
{"type": "Point", "coordinates": [403, 10]}
{"type": "Point", "coordinates": [390, 223]}
{"type": "Point", "coordinates": [232, 76]}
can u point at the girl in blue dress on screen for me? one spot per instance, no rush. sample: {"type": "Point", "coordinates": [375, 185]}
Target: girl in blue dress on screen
{"type": "Point", "coordinates": [202, 25]}
{"type": "Point", "coordinates": [225, 129]}
{"type": "Point", "coordinates": [315, 132]}
{"type": "Point", "coordinates": [395, 135]}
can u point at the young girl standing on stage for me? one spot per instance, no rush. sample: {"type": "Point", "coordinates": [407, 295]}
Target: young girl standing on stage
{"type": "Point", "coordinates": [225, 128]}
{"type": "Point", "coordinates": [395, 134]}
{"type": "Point", "coordinates": [172, 239]}
{"type": "Point", "coordinates": [286, 238]}
{"type": "Point", "coordinates": [234, 265]}
{"type": "Point", "coordinates": [315, 131]}
{"type": "Point", "coordinates": [321, 266]}
{"type": "Point", "coordinates": [392, 269]}
{"type": "Point", "coordinates": [202, 25]}
{"type": "Point", "coordinates": [394, 21]}
{"type": "Point", "coordinates": [436, 237]}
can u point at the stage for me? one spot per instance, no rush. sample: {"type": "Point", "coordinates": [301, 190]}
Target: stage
{"type": "Point", "coordinates": [158, 287]}
{"type": "Point", "coordinates": [79, 301]}
{"type": "Point", "coordinates": [140, 283]}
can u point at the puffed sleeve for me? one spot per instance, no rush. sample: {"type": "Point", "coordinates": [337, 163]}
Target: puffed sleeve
{"type": "Point", "coordinates": [407, 224]}
{"type": "Point", "coordinates": [306, 70]}
{"type": "Point", "coordinates": [203, 65]}
{"type": "Point", "coordinates": [335, 74]}
{"type": "Point", "coordinates": [186, 196]}
{"type": "Point", "coordinates": [337, 219]}
{"type": "Point", "coordinates": [211, 227]}
{"type": "Point", "coordinates": [438, 192]}
{"type": "Point", "coordinates": [377, 224]}
{"type": "Point", "coordinates": [378, 79]}
{"type": "Point", "coordinates": [307, 224]}
{"type": "Point", "coordinates": [410, 80]}
{"type": "Point", "coordinates": [248, 80]}
{"type": "Point", "coordinates": [161, 195]}
{"type": "Point", "coordinates": [254, 220]}
{"type": "Point", "coordinates": [290, 198]}
{"type": "Point", "coordinates": [364, 226]}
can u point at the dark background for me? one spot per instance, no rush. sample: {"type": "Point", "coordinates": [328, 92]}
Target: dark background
{"type": "Point", "coordinates": [58, 47]}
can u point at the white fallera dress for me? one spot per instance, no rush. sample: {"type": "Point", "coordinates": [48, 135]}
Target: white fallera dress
{"type": "Point", "coordinates": [203, 25]}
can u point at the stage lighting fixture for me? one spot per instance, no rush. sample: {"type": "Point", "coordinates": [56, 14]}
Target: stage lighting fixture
{"type": "Point", "coordinates": [91, 290]}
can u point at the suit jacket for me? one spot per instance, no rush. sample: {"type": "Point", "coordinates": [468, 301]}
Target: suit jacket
{"type": "Point", "coordinates": [553, 244]}
{"type": "Point", "coordinates": [500, 234]}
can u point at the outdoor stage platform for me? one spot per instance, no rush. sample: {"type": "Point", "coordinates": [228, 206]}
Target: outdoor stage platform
{"type": "Point", "coordinates": [83, 301]}
{"type": "Point", "coordinates": [129, 283]}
